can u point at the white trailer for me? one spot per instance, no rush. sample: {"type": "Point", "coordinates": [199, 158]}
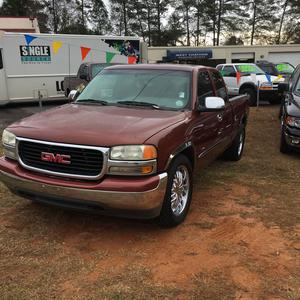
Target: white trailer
{"type": "Point", "coordinates": [33, 66]}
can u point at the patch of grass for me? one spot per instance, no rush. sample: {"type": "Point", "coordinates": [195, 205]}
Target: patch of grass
{"type": "Point", "coordinates": [203, 225]}
{"type": "Point", "coordinates": [135, 282]}
{"type": "Point", "coordinates": [214, 285]}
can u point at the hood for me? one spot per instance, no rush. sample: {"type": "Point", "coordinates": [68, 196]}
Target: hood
{"type": "Point", "coordinates": [96, 125]}
{"type": "Point", "coordinates": [293, 106]}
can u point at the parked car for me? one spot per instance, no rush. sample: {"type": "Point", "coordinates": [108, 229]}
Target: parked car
{"type": "Point", "coordinates": [283, 69]}
{"type": "Point", "coordinates": [86, 72]}
{"type": "Point", "coordinates": [290, 114]}
{"type": "Point", "coordinates": [244, 78]}
{"type": "Point", "coordinates": [138, 133]}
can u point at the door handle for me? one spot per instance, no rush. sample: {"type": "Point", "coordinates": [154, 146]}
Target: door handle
{"type": "Point", "coordinates": [220, 117]}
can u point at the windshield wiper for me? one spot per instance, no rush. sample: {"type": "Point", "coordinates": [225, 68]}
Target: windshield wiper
{"type": "Point", "coordinates": [92, 101]}
{"type": "Point", "coordinates": [138, 103]}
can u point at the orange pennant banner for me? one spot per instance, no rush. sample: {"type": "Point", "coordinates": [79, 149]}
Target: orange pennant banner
{"type": "Point", "coordinates": [84, 52]}
{"type": "Point", "coordinates": [238, 77]}
{"type": "Point", "coordinates": [131, 59]}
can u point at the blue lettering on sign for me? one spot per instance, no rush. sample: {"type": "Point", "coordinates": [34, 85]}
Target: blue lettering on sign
{"type": "Point", "coordinates": [175, 54]}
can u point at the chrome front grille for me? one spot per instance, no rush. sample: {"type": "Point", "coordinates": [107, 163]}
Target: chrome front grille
{"type": "Point", "coordinates": [83, 162]}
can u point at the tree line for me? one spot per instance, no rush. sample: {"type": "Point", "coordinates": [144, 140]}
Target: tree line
{"type": "Point", "coordinates": [169, 22]}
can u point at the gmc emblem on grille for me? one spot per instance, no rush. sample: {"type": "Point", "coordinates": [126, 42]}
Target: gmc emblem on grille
{"type": "Point", "coordinates": [56, 158]}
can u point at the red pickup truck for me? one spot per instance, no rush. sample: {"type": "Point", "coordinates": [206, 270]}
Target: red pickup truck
{"type": "Point", "coordinates": [128, 145]}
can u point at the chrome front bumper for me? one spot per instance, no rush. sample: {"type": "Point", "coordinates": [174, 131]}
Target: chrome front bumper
{"type": "Point", "coordinates": [145, 204]}
{"type": "Point", "coordinates": [291, 140]}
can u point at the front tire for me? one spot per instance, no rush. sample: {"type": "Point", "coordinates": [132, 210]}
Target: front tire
{"type": "Point", "coordinates": [178, 194]}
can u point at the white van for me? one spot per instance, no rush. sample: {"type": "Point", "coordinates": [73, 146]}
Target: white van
{"type": "Point", "coordinates": [33, 66]}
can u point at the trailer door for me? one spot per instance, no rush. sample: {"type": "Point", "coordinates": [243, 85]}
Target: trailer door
{"type": "Point", "coordinates": [3, 86]}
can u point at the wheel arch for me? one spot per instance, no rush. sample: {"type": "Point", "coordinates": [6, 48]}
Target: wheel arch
{"type": "Point", "coordinates": [247, 85]}
{"type": "Point", "coordinates": [185, 149]}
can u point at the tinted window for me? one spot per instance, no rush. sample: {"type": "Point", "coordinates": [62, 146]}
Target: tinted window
{"type": "Point", "coordinates": [205, 88]}
{"type": "Point", "coordinates": [228, 71]}
{"type": "Point", "coordinates": [83, 70]}
{"type": "Point", "coordinates": [220, 86]}
{"type": "Point", "coordinates": [269, 69]}
{"type": "Point", "coordinates": [1, 61]}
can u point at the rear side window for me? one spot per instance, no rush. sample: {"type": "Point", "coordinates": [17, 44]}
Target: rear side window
{"type": "Point", "coordinates": [228, 71]}
{"type": "Point", "coordinates": [220, 86]}
{"type": "Point", "coordinates": [83, 70]}
{"type": "Point", "coordinates": [1, 60]}
{"type": "Point", "coordinates": [205, 88]}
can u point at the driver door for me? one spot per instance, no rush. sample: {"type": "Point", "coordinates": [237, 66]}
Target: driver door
{"type": "Point", "coordinates": [205, 126]}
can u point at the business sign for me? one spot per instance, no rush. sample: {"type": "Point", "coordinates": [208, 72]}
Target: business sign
{"type": "Point", "coordinates": [35, 53]}
{"type": "Point", "coordinates": [188, 54]}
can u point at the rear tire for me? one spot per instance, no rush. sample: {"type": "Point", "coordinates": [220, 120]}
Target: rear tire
{"type": "Point", "coordinates": [235, 152]}
{"type": "Point", "coordinates": [252, 95]}
{"type": "Point", "coordinates": [178, 193]}
{"type": "Point", "coordinates": [284, 147]}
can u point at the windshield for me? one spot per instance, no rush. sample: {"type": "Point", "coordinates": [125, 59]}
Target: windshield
{"type": "Point", "coordinates": [269, 69]}
{"type": "Point", "coordinates": [285, 68]}
{"type": "Point", "coordinates": [249, 69]}
{"type": "Point", "coordinates": [162, 88]}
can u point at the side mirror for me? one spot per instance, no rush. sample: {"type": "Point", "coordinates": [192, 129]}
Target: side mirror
{"type": "Point", "coordinates": [283, 87]}
{"type": "Point", "coordinates": [72, 95]}
{"type": "Point", "coordinates": [213, 104]}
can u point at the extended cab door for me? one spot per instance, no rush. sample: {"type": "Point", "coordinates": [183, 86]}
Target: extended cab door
{"type": "Point", "coordinates": [205, 125]}
{"type": "Point", "coordinates": [225, 117]}
{"type": "Point", "coordinates": [3, 86]}
{"type": "Point", "coordinates": [230, 78]}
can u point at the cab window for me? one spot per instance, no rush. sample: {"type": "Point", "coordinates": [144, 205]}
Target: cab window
{"type": "Point", "coordinates": [83, 71]}
{"type": "Point", "coordinates": [228, 71]}
{"type": "Point", "coordinates": [220, 86]}
{"type": "Point", "coordinates": [205, 88]}
{"type": "Point", "coordinates": [1, 61]}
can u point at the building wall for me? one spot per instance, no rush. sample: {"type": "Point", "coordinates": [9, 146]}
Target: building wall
{"type": "Point", "coordinates": [226, 52]}
{"type": "Point", "coordinates": [19, 24]}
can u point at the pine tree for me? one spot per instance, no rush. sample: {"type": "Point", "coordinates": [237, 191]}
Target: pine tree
{"type": "Point", "coordinates": [99, 17]}
{"type": "Point", "coordinates": [263, 19]}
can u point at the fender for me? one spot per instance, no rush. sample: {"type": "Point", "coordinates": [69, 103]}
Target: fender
{"type": "Point", "coordinates": [179, 150]}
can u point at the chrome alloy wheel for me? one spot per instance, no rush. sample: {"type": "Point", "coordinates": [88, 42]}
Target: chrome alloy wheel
{"type": "Point", "coordinates": [180, 190]}
{"type": "Point", "coordinates": [241, 143]}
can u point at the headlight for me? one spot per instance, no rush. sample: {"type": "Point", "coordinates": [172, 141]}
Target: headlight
{"type": "Point", "coordinates": [133, 152]}
{"type": "Point", "coordinates": [132, 160]}
{"type": "Point", "coordinates": [9, 144]}
{"type": "Point", "coordinates": [292, 121]}
{"type": "Point", "coordinates": [8, 139]}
